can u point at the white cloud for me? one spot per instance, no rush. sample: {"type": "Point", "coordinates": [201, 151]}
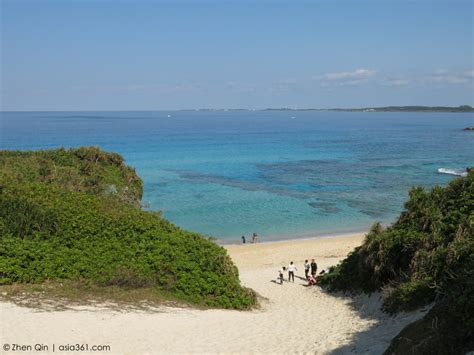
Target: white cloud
{"type": "Point", "coordinates": [346, 78]}
{"type": "Point", "coordinates": [355, 82]}
{"type": "Point", "coordinates": [356, 74]}
{"type": "Point", "coordinates": [363, 76]}
{"type": "Point", "coordinates": [450, 78]}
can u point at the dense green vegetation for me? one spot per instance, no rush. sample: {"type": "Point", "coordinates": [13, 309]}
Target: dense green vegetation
{"type": "Point", "coordinates": [73, 215]}
{"type": "Point", "coordinates": [86, 169]}
{"type": "Point", "coordinates": [426, 256]}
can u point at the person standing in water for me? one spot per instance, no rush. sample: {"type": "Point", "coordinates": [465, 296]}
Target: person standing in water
{"type": "Point", "coordinates": [254, 238]}
{"type": "Point", "coordinates": [243, 239]}
{"type": "Point", "coordinates": [307, 267]}
{"type": "Point", "coordinates": [291, 272]}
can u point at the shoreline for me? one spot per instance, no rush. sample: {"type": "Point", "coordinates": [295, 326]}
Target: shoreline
{"type": "Point", "coordinates": [289, 238]}
{"type": "Point", "coordinates": [327, 251]}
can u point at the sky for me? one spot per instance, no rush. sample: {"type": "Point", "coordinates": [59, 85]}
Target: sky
{"type": "Point", "coordinates": [160, 55]}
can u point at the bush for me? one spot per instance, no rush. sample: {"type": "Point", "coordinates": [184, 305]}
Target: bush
{"type": "Point", "coordinates": [53, 232]}
{"type": "Point", "coordinates": [426, 255]}
{"type": "Point", "coordinates": [408, 296]}
{"type": "Point", "coordinates": [85, 169]}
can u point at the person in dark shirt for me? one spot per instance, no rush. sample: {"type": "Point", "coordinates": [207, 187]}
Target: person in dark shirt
{"type": "Point", "coordinates": [280, 275]}
{"type": "Point", "coordinates": [314, 267]}
{"type": "Point", "coordinates": [243, 239]}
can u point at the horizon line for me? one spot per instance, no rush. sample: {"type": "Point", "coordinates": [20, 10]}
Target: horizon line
{"type": "Point", "coordinates": [254, 109]}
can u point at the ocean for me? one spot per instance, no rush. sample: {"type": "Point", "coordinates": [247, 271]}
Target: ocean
{"type": "Point", "coordinates": [281, 174]}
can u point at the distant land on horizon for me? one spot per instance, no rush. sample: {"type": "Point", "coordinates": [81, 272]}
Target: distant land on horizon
{"type": "Point", "coordinates": [462, 108]}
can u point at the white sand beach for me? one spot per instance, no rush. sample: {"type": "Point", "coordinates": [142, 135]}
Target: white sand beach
{"type": "Point", "coordinates": [292, 319]}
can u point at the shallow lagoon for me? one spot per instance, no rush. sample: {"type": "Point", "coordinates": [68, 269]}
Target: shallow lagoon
{"type": "Point", "coordinates": [231, 173]}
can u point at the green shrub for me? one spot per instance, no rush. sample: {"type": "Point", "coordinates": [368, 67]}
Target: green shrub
{"type": "Point", "coordinates": [426, 255]}
{"type": "Point", "coordinates": [85, 169]}
{"type": "Point", "coordinates": [408, 296]}
{"type": "Point", "coordinates": [50, 231]}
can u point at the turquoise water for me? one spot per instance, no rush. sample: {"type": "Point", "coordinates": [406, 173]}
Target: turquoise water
{"type": "Point", "coordinates": [231, 173]}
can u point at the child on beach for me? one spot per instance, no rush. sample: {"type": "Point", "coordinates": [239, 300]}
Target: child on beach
{"type": "Point", "coordinates": [280, 275]}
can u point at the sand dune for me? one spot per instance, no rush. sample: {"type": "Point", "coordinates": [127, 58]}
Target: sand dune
{"type": "Point", "coordinates": [293, 318]}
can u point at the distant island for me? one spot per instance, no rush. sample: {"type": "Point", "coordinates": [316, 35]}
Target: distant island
{"type": "Point", "coordinates": [462, 108]}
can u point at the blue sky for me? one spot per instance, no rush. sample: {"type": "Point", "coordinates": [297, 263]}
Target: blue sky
{"type": "Point", "coordinates": [147, 55]}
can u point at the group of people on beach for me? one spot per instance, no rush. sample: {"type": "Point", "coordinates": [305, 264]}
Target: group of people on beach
{"type": "Point", "coordinates": [310, 270]}
{"type": "Point", "coordinates": [254, 238]}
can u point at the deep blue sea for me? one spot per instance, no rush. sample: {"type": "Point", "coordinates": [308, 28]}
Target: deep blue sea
{"type": "Point", "coordinates": [278, 173]}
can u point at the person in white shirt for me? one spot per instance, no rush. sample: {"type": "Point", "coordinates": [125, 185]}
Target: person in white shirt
{"type": "Point", "coordinates": [291, 272]}
{"type": "Point", "coordinates": [307, 267]}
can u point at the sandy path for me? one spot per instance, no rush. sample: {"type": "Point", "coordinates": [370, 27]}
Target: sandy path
{"type": "Point", "coordinates": [293, 319]}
